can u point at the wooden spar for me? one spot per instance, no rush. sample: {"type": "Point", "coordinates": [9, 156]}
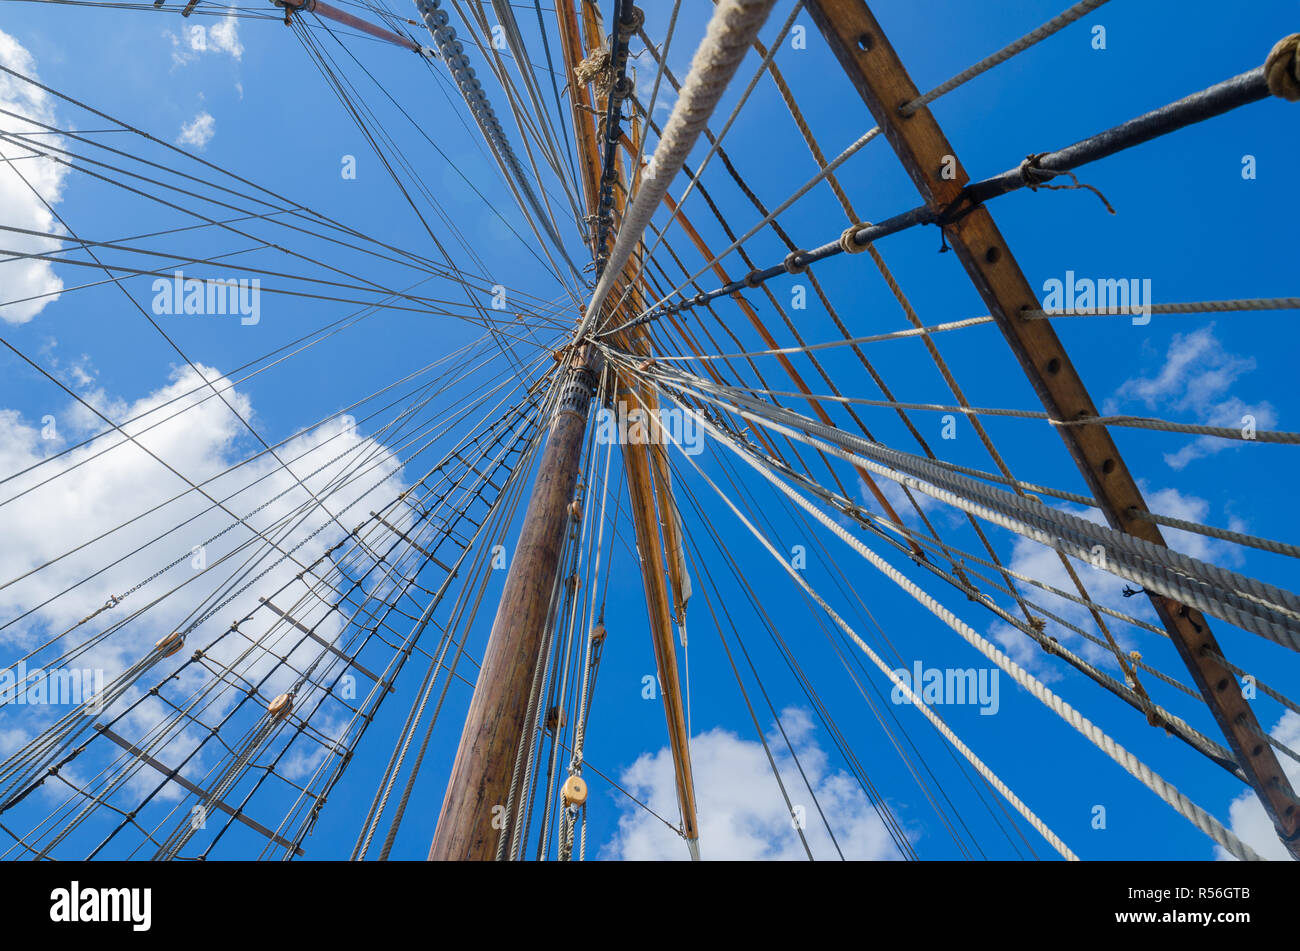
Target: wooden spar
{"type": "Point", "coordinates": [669, 518]}
{"type": "Point", "coordinates": [646, 468]}
{"type": "Point", "coordinates": [641, 485]}
{"type": "Point", "coordinates": [594, 29]}
{"type": "Point", "coordinates": [584, 129]}
{"type": "Point", "coordinates": [323, 9]}
{"type": "Point", "coordinates": [473, 818]}
{"type": "Point", "coordinates": [858, 42]}
{"type": "Point", "coordinates": [636, 464]}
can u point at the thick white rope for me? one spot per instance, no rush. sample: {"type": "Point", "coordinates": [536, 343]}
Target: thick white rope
{"type": "Point", "coordinates": [992, 778]}
{"type": "Point", "coordinates": [1148, 777]}
{"type": "Point", "coordinates": [733, 27]}
{"type": "Point", "coordinates": [1247, 602]}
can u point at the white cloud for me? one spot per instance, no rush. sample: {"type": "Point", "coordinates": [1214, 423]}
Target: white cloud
{"type": "Point", "coordinates": [1038, 561]}
{"type": "Point", "coordinates": [196, 39]}
{"type": "Point", "coordinates": [125, 483]}
{"type": "Point", "coordinates": [1195, 378]}
{"type": "Point", "coordinates": [1246, 817]}
{"type": "Point", "coordinates": [742, 815]}
{"type": "Point", "coordinates": [667, 96]}
{"type": "Point", "coordinates": [199, 131]}
{"type": "Point", "coordinates": [224, 38]}
{"type": "Point", "coordinates": [26, 184]}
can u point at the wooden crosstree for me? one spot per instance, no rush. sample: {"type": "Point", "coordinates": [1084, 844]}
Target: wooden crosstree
{"type": "Point", "coordinates": [872, 65]}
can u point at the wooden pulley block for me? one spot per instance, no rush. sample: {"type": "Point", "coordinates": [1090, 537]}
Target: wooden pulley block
{"type": "Point", "coordinates": [170, 644]}
{"type": "Point", "coordinates": [574, 791]}
{"type": "Point", "coordinates": [556, 719]}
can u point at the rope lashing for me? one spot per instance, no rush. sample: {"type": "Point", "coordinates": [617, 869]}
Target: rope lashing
{"type": "Point", "coordinates": [1029, 170]}
{"type": "Point", "coordinates": [629, 29]}
{"type": "Point", "coordinates": [848, 240]}
{"type": "Point", "coordinates": [954, 211]}
{"type": "Point", "coordinates": [1282, 68]}
{"type": "Point", "coordinates": [596, 69]}
{"type": "Point", "coordinates": [791, 262]}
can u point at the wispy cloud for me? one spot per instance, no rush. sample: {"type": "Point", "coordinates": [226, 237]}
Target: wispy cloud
{"type": "Point", "coordinates": [193, 41]}
{"type": "Point", "coordinates": [30, 186]}
{"type": "Point", "coordinates": [1196, 377]}
{"type": "Point", "coordinates": [198, 132]}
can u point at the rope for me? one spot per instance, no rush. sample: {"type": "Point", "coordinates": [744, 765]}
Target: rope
{"type": "Point", "coordinates": [1227, 535]}
{"type": "Point", "coordinates": [1282, 68]}
{"type": "Point", "coordinates": [1001, 56]}
{"type": "Point", "coordinates": [1149, 778]}
{"type": "Point", "coordinates": [732, 28]}
{"type": "Point", "coordinates": [1247, 602]}
{"type": "Point", "coordinates": [1190, 307]}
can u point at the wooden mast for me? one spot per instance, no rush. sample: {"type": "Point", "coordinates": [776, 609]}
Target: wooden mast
{"type": "Point", "coordinates": [474, 817]}
{"type": "Point", "coordinates": [474, 814]}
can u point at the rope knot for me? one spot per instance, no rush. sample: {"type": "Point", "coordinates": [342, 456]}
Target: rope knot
{"type": "Point", "coordinates": [628, 29]}
{"type": "Point", "coordinates": [1282, 68]}
{"type": "Point", "coordinates": [848, 242]}
{"type": "Point", "coordinates": [1035, 177]}
{"type": "Point", "coordinates": [1029, 167]}
{"type": "Point", "coordinates": [791, 265]}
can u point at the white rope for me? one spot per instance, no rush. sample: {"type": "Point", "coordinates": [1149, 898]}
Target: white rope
{"type": "Point", "coordinates": [733, 27]}
{"type": "Point", "coordinates": [1148, 777]}
{"type": "Point", "coordinates": [1051, 837]}
{"type": "Point", "coordinates": [1247, 602]}
{"type": "Point", "coordinates": [846, 342]}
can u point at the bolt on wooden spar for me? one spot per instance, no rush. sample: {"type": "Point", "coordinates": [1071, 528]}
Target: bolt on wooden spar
{"type": "Point", "coordinates": [474, 815]}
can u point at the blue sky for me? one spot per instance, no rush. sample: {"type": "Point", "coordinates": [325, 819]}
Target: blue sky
{"type": "Point", "coordinates": [1187, 220]}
